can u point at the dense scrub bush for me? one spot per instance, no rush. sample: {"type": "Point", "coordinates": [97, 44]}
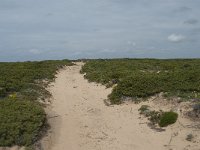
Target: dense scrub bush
{"type": "Point", "coordinates": [20, 122]}
{"type": "Point", "coordinates": [21, 84]}
{"type": "Point", "coordinates": [168, 118]}
{"type": "Point", "coordinates": [17, 77]}
{"type": "Point", "coordinates": [136, 86]}
{"type": "Point", "coordinates": [138, 78]}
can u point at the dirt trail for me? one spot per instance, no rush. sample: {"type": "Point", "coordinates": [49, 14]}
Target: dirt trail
{"type": "Point", "coordinates": [80, 120]}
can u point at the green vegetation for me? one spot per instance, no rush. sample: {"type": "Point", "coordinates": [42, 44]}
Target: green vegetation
{"type": "Point", "coordinates": [140, 78]}
{"type": "Point", "coordinates": [154, 116]}
{"type": "Point", "coordinates": [20, 122]}
{"type": "Point", "coordinates": [161, 118]}
{"type": "Point", "coordinates": [168, 118]}
{"type": "Point", "coordinates": [26, 77]}
{"type": "Point", "coordinates": [21, 85]}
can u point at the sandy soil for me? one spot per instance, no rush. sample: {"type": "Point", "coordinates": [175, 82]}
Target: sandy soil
{"type": "Point", "coordinates": [80, 120]}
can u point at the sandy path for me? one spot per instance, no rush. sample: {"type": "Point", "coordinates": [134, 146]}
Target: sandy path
{"type": "Point", "coordinates": [80, 120]}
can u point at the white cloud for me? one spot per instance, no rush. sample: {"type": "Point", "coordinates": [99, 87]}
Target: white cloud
{"type": "Point", "coordinates": [131, 43]}
{"type": "Point", "coordinates": [176, 38]}
{"type": "Point", "coordinates": [35, 51]}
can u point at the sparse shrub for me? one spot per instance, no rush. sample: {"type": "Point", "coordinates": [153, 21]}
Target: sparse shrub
{"type": "Point", "coordinates": [155, 116]}
{"type": "Point", "coordinates": [168, 118]}
{"type": "Point", "coordinates": [194, 114]}
{"type": "Point", "coordinates": [152, 115]}
{"type": "Point", "coordinates": [196, 108]}
{"type": "Point", "coordinates": [161, 118]}
{"type": "Point", "coordinates": [143, 108]}
{"type": "Point", "coordinates": [189, 137]}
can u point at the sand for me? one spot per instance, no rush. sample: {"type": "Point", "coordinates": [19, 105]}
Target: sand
{"type": "Point", "coordinates": [80, 120]}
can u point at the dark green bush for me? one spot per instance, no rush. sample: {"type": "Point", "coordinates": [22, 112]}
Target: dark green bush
{"type": "Point", "coordinates": [20, 122]}
{"type": "Point", "coordinates": [137, 86]}
{"type": "Point", "coordinates": [21, 84]}
{"type": "Point", "coordinates": [168, 118]}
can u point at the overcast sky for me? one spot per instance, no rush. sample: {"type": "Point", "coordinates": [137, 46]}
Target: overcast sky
{"type": "Point", "coordinates": [57, 29]}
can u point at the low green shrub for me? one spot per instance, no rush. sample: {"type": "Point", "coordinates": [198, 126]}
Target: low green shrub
{"type": "Point", "coordinates": [140, 78]}
{"type": "Point", "coordinates": [21, 85]}
{"type": "Point", "coordinates": [18, 76]}
{"type": "Point", "coordinates": [20, 122]}
{"type": "Point", "coordinates": [137, 86]}
{"type": "Point", "coordinates": [168, 118]}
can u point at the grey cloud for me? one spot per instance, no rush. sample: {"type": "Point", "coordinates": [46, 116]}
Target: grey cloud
{"type": "Point", "coordinates": [49, 14]}
{"type": "Point", "coordinates": [196, 30]}
{"type": "Point", "coordinates": [183, 9]}
{"type": "Point", "coordinates": [191, 21]}
{"type": "Point", "coordinates": [52, 29]}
